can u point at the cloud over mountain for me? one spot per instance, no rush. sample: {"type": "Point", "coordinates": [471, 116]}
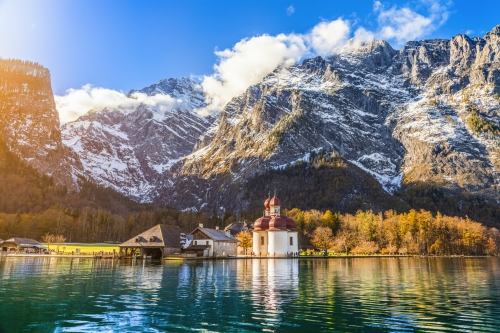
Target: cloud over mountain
{"type": "Point", "coordinates": [249, 60]}
{"type": "Point", "coordinates": [77, 102]}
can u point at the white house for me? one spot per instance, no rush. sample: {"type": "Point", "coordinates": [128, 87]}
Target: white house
{"type": "Point", "coordinates": [214, 241]}
{"type": "Point", "coordinates": [273, 234]}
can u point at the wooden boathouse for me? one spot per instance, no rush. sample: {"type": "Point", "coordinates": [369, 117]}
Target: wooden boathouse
{"type": "Point", "coordinates": [157, 242]}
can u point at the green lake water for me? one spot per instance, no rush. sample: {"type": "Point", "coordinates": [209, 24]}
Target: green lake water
{"type": "Point", "coordinates": [268, 295]}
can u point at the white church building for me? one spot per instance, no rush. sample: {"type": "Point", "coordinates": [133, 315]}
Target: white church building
{"type": "Point", "coordinates": [273, 234]}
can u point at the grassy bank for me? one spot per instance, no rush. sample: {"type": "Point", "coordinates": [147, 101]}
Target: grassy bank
{"type": "Point", "coordinates": [83, 248]}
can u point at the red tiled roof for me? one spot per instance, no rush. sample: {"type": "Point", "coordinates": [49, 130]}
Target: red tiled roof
{"type": "Point", "coordinates": [277, 223]}
{"type": "Point", "coordinates": [275, 201]}
{"type": "Point", "coordinates": [290, 224]}
{"type": "Point", "coordinates": [266, 203]}
{"type": "Point", "coordinates": [262, 223]}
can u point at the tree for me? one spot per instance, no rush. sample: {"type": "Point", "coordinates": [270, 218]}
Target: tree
{"type": "Point", "coordinates": [322, 238]}
{"type": "Point", "coordinates": [246, 240]}
{"type": "Point", "coordinates": [48, 238]}
{"type": "Point", "coordinates": [331, 220]}
{"type": "Point", "coordinates": [327, 219]}
{"type": "Point", "coordinates": [390, 249]}
{"type": "Point", "coordinates": [366, 248]}
{"type": "Point", "coordinates": [491, 247]}
{"type": "Point", "coordinates": [59, 239]}
{"type": "Point", "coordinates": [298, 215]}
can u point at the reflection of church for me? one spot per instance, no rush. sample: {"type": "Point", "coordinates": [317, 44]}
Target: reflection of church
{"type": "Point", "coordinates": [273, 234]}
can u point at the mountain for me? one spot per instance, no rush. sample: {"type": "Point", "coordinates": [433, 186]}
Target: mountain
{"type": "Point", "coordinates": [411, 128]}
{"type": "Point", "coordinates": [128, 149]}
{"type": "Point", "coordinates": [425, 114]}
{"type": "Point", "coordinates": [29, 122]}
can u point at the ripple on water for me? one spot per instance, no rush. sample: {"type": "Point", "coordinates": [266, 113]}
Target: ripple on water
{"type": "Point", "coordinates": [348, 295]}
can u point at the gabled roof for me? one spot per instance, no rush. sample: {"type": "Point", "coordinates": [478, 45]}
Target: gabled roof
{"type": "Point", "coordinates": [216, 235]}
{"type": "Point", "coordinates": [27, 242]}
{"type": "Point", "coordinates": [237, 227]}
{"type": "Point", "coordinates": [160, 235]}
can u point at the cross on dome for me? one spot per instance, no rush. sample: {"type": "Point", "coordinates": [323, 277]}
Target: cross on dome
{"type": "Point", "coordinates": [266, 203]}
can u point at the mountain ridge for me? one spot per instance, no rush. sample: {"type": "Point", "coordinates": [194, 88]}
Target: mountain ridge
{"type": "Point", "coordinates": [425, 114]}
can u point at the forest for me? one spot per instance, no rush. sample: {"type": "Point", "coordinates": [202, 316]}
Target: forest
{"type": "Point", "coordinates": [31, 205]}
{"type": "Point", "coordinates": [327, 181]}
{"type": "Point", "coordinates": [414, 232]}
{"type": "Point", "coordinates": [16, 76]}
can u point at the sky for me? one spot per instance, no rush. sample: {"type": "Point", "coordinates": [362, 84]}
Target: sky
{"type": "Point", "coordinates": [121, 45]}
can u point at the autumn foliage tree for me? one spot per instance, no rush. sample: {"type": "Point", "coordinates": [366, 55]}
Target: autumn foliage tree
{"type": "Point", "coordinates": [246, 240]}
{"type": "Point", "coordinates": [322, 239]}
{"type": "Point", "coordinates": [412, 232]}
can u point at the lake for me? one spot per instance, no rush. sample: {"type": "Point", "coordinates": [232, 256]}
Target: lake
{"type": "Point", "coordinates": [260, 295]}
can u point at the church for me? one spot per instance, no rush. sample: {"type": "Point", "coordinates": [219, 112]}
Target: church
{"type": "Point", "coordinates": [273, 234]}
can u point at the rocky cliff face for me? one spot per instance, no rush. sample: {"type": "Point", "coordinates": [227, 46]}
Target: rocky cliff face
{"type": "Point", "coordinates": [426, 113]}
{"type": "Point", "coordinates": [29, 122]}
{"type": "Point", "coordinates": [128, 149]}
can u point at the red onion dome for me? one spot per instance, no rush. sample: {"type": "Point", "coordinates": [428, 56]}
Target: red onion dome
{"type": "Point", "coordinates": [275, 201]}
{"type": "Point", "coordinates": [277, 223]}
{"type": "Point", "coordinates": [266, 203]}
{"type": "Point", "coordinates": [261, 223]}
{"type": "Point", "coordinates": [290, 224]}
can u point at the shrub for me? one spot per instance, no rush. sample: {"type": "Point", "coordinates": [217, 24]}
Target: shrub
{"type": "Point", "coordinates": [480, 125]}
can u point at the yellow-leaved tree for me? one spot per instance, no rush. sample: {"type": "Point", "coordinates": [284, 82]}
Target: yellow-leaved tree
{"type": "Point", "coordinates": [246, 240]}
{"type": "Point", "coordinates": [322, 239]}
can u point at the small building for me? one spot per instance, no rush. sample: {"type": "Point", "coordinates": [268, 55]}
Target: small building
{"type": "Point", "coordinates": [157, 242]}
{"type": "Point", "coordinates": [235, 228]}
{"type": "Point", "coordinates": [214, 241]}
{"type": "Point", "coordinates": [13, 244]}
{"type": "Point", "coordinates": [273, 234]}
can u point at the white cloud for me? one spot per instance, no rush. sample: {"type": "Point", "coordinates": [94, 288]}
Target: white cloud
{"type": "Point", "coordinates": [247, 63]}
{"type": "Point", "coordinates": [77, 102]}
{"type": "Point", "coordinates": [363, 35]}
{"type": "Point", "coordinates": [400, 25]}
{"type": "Point", "coordinates": [290, 10]}
{"type": "Point", "coordinates": [328, 37]}
{"type": "Point", "coordinates": [251, 59]}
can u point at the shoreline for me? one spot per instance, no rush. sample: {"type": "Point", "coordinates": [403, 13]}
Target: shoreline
{"type": "Point", "coordinates": [89, 256]}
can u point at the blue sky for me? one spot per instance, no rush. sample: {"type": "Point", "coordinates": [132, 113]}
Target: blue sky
{"type": "Point", "coordinates": [125, 45]}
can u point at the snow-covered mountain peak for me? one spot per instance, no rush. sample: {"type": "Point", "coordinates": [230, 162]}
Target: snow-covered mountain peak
{"type": "Point", "coordinates": [425, 113]}
{"type": "Point", "coordinates": [188, 92]}
{"type": "Point", "coordinates": [130, 148]}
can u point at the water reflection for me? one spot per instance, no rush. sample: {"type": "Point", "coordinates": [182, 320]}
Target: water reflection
{"type": "Point", "coordinates": [273, 295]}
{"type": "Point", "coordinates": [274, 287]}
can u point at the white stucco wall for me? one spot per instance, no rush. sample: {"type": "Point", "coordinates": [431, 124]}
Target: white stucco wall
{"type": "Point", "coordinates": [204, 242]}
{"type": "Point", "coordinates": [278, 243]}
{"type": "Point", "coordinates": [295, 243]}
{"type": "Point", "coordinates": [257, 247]}
{"type": "Point", "coordinates": [225, 248]}
{"type": "Point", "coordinates": [275, 210]}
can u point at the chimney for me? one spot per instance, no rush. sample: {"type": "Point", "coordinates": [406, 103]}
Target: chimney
{"type": "Point", "coordinates": [217, 228]}
{"type": "Point", "coordinates": [201, 225]}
